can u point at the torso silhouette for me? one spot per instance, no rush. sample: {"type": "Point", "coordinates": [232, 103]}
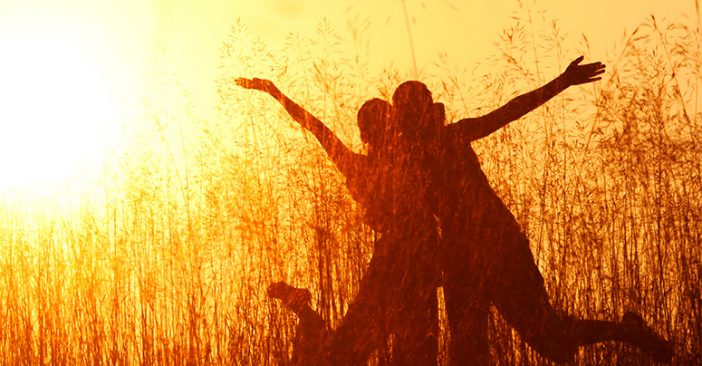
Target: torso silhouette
{"type": "Point", "coordinates": [397, 292]}
{"type": "Point", "coordinates": [392, 187]}
{"type": "Point", "coordinates": [461, 195]}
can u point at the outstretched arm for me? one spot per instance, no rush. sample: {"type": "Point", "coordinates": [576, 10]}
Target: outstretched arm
{"type": "Point", "coordinates": [346, 160]}
{"type": "Point", "coordinates": [575, 74]}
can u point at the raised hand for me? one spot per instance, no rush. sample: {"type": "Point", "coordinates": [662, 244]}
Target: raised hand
{"type": "Point", "coordinates": [577, 74]}
{"type": "Point", "coordinates": [257, 84]}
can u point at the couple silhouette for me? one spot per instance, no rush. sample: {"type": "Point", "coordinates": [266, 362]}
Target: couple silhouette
{"type": "Point", "coordinates": [440, 224]}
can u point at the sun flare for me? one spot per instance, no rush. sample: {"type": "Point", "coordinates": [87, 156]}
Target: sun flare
{"type": "Point", "coordinates": [56, 111]}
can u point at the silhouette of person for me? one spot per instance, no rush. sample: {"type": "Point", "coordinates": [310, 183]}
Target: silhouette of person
{"type": "Point", "coordinates": [486, 257]}
{"type": "Point", "coordinates": [397, 293]}
{"type": "Point", "coordinates": [311, 332]}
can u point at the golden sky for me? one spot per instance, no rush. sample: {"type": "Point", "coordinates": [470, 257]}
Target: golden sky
{"type": "Point", "coordinates": [66, 55]}
{"type": "Point", "coordinates": [465, 30]}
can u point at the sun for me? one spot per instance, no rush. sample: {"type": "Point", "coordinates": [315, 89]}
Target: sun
{"type": "Point", "coordinates": [57, 115]}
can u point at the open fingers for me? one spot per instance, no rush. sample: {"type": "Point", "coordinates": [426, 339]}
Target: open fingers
{"type": "Point", "coordinates": [594, 65]}
{"type": "Point", "coordinates": [255, 83]}
{"type": "Point", "coordinates": [591, 70]}
{"type": "Point", "coordinates": [598, 72]}
{"type": "Point", "coordinates": [243, 82]}
{"type": "Point", "coordinates": [578, 60]}
{"type": "Point", "coordinates": [587, 80]}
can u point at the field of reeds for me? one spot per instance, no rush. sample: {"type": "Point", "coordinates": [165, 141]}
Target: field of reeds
{"type": "Point", "coordinates": [169, 262]}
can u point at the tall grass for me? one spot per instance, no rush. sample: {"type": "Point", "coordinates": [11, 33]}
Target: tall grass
{"type": "Point", "coordinates": [169, 265]}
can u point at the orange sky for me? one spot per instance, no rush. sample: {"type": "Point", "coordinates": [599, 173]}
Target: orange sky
{"type": "Point", "coordinates": [119, 40]}
{"type": "Point", "coordinates": [466, 31]}
{"type": "Point", "coordinates": [190, 32]}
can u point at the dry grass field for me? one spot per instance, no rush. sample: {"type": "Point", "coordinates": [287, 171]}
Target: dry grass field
{"type": "Point", "coordinates": [169, 262]}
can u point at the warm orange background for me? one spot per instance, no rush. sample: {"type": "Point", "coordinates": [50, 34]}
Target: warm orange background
{"type": "Point", "coordinates": [125, 43]}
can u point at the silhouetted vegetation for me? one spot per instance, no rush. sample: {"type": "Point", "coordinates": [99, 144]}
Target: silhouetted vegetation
{"type": "Point", "coordinates": [171, 264]}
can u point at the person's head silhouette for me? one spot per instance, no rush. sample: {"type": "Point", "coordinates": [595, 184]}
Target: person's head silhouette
{"type": "Point", "coordinates": [375, 122]}
{"type": "Point", "coordinates": [418, 116]}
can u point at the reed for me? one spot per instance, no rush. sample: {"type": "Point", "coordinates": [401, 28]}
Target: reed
{"type": "Point", "coordinates": [170, 263]}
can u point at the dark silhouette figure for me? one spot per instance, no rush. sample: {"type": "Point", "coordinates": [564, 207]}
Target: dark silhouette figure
{"type": "Point", "coordinates": [311, 331]}
{"type": "Point", "coordinates": [397, 293]}
{"type": "Point", "coordinates": [486, 257]}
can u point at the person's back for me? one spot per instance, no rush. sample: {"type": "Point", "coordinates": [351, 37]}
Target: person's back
{"type": "Point", "coordinates": [460, 192]}
{"type": "Point", "coordinates": [392, 189]}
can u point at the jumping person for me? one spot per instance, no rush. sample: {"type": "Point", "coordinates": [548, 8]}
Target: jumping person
{"type": "Point", "coordinates": [486, 257]}
{"type": "Point", "coordinates": [397, 293]}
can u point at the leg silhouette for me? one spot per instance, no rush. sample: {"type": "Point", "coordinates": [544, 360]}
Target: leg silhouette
{"type": "Point", "coordinates": [467, 302]}
{"type": "Point", "coordinates": [397, 296]}
{"type": "Point", "coordinates": [517, 290]}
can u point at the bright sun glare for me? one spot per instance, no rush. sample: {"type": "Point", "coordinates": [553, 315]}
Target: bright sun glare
{"type": "Point", "coordinates": [56, 111]}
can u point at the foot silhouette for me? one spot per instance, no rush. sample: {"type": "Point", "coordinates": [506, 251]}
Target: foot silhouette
{"type": "Point", "coordinates": [647, 339]}
{"type": "Point", "coordinates": [293, 298]}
